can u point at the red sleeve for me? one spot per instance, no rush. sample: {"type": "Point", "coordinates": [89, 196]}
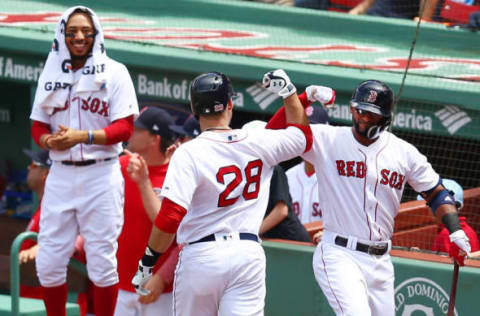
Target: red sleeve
{"type": "Point", "coordinates": [38, 129]}
{"type": "Point", "coordinates": [169, 217]}
{"type": "Point", "coordinates": [279, 120]}
{"type": "Point", "coordinates": [307, 131]}
{"type": "Point", "coordinates": [119, 131]}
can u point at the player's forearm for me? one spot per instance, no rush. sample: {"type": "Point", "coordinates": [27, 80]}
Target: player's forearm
{"type": "Point", "coordinates": [278, 120]}
{"type": "Point", "coordinates": [160, 240]}
{"type": "Point", "coordinates": [151, 202]}
{"type": "Point", "coordinates": [294, 112]}
{"type": "Point", "coordinates": [40, 133]}
{"type": "Point", "coordinates": [278, 214]}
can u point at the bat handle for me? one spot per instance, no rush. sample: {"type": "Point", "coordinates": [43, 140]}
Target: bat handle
{"type": "Point", "coordinates": [453, 290]}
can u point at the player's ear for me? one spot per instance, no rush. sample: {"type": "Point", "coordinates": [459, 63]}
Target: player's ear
{"type": "Point", "coordinates": [230, 104]}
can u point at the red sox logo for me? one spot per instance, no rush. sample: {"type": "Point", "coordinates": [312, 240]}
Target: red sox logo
{"type": "Point", "coordinates": [358, 169]}
{"type": "Point", "coordinates": [372, 97]}
{"type": "Point", "coordinates": [94, 105]}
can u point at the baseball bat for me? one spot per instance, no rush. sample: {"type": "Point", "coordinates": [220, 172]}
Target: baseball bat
{"type": "Point", "coordinates": [453, 289]}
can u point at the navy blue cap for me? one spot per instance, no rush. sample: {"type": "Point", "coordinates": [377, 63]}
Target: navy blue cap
{"type": "Point", "coordinates": [39, 157]}
{"type": "Point", "coordinates": [156, 121]}
{"type": "Point", "coordinates": [316, 115]}
{"type": "Point", "coordinates": [191, 127]}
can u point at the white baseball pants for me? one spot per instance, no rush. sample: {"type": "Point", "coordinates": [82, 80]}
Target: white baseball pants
{"type": "Point", "coordinates": [86, 200]}
{"type": "Point", "coordinates": [220, 278]}
{"type": "Point", "coordinates": [354, 282]}
{"type": "Point", "coordinates": [128, 305]}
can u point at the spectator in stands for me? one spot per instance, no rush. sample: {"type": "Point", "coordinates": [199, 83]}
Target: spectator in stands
{"type": "Point", "coordinates": [36, 177]}
{"type": "Point", "coordinates": [302, 180]}
{"type": "Point", "coordinates": [442, 241]}
{"type": "Point", "coordinates": [188, 131]}
{"type": "Point", "coordinates": [409, 9]}
{"type": "Point", "coordinates": [280, 221]}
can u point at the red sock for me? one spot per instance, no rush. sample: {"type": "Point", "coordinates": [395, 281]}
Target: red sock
{"type": "Point", "coordinates": [55, 299]}
{"type": "Point", "coordinates": [105, 299]}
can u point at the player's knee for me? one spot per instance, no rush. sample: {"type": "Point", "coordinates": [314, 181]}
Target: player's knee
{"type": "Point", "coordinates": [102, 275]}
{"type": "Point", "coordinates": [51, 271]}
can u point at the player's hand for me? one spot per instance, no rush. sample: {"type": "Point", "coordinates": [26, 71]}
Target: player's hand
{"type": "Point", "coordinates": [155, 285]}
{"type": "Point", "coordinates": [324, 95]}
{"type": "Point", "coordinates": [141, 278]}
{"type": "Point", "coordinates": [460, 247]}
{"type": "Point", "coordinates": [278, 82]}
{"type": "Point", "coordinates": [137, 167]}
{"type": "Point", "coordinates": [171, 149]}
{"type": "Point", "coordinates": [29, 254]}
{"type": "Point", "coordinates": [317, 237]}
{"type": "Point", "coordinates": [64, 138]}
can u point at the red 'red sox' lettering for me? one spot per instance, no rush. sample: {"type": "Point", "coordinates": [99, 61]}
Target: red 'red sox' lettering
{"type": "Point", "coordinates": [394, 179]}
{"type": "Point", "coordinates": [351, 168]}
{"type": "Point", "coordinates": [95, 105]}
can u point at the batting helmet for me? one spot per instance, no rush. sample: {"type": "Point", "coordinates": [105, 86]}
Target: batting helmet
{"type": "Point", "coordinates": [376, 97]}
{"type": "Point", "coordinates": [209, 93]}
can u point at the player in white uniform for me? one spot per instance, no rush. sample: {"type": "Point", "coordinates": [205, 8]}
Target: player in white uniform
{"type": "Point", "coordinates": [216, 192]}
{"type": "Point", "coordinates": [302, 180]}
{"type": "Point", "coordinates": [362, 172]}
{"type": "Point", "coordinates": [84, 108]}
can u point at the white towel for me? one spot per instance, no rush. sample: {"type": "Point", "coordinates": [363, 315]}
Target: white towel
{"type": "Point", "coordinates": [50, 95]}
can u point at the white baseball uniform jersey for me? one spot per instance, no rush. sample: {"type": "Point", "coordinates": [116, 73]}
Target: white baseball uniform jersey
{"type": "Point", "coordinates": [304, 192]}
{"type": "Point", "coordinates": [85, 199]}
{"type": "Point", "coordinates": [362, 187]}
{"type": "Point", "coordinates": [222, 179]}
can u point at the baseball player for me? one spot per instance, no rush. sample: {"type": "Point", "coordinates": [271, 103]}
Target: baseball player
{"type": "Point", "coordinates": [215, 193]}
{"type": "Point", "coordinates": [302, 180]}
{"type": "Point", "coordinates": [84, 109]}
{"type": "Point", "coordinates": [150, 142]}
{"type": "Point", "coordinates": [364, 170]}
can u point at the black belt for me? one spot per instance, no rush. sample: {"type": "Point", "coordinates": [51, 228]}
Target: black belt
{"type": "Point", "coordinates": [83, 163]}
{"type": "Point", "coordinates": [378, 250]}
{"type": "Point", "coordinates": [243, 236]}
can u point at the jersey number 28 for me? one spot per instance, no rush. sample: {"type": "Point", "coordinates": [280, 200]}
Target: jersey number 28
{"type": "Point", "coordinates": [251, 177]}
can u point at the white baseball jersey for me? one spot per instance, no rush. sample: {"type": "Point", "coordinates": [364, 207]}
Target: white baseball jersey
{"type": "Point", "coordinates": [304, 192]}
{"type": "Point", "coordinates": [361, 186]}
{"type": "Point", "coordinates": [223, 179]}
{"type": "Point", "coordinates": [92, 111]}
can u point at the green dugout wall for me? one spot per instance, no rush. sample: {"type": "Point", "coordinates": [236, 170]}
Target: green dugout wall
{"type": "Point", "coordinates": [422, 288]}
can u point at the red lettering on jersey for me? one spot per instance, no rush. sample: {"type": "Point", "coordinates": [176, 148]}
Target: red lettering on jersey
{"type": "Point", "coordinates": [350, 172]}
{"type": "Point", "coordinates": [401, 179]}
{"type": "Point", "coordinates": [341, 167]}
{"type": "Point", "coordinates": [316, 210]}
{"type": "Point", "coordinates": [223, 199]}
{"type": "Point", "coordinates": [94, 105]}
{"type": "Point", "coordinates": [61, 109]}
{"type": "Point", "coordinates": [296, 208]}
{"type": "Point", "coordinates": [393, 179]}
{"type": "Point", "coordinates": [252, 179]}
{"type": "Point", "coordinates": [361, 170]}
{"type": "Point", "coordinates": [104, 110]}
{"type": "Point", "coordinates": [384, 174]}
{"type": "Point", "coordinates": [85, 105]}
